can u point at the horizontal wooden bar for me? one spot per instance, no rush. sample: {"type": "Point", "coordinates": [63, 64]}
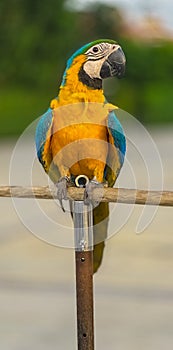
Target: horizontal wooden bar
{"type": "Point", "coordinates": [120, 195]}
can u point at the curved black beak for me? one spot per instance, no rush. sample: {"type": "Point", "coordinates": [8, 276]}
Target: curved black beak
{"type": "Point", "coordinates": [114, 65]}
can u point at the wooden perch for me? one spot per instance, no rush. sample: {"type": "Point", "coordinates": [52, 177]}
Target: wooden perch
{"type": "Point", "coordinates": [120, 195]}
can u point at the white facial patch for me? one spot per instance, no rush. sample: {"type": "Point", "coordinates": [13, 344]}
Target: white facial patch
{"type": "Point", "coordinates": [97, 54]}
{"type": "Point", "coordinates": [93, 68]}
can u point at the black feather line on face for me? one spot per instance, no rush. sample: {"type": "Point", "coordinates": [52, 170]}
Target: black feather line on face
{"type": "Point", "coordinates": [94, 83]}
{"type": "Point", "coordinates": [95, 59]}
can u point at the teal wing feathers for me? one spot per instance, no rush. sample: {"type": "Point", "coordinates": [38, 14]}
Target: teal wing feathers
{"type": "Point", "coordinates": [43, 145]}
{"type": "Point", "coordinates": [117, 150]}
{"type": "Point", "coordinates": [43, 127]}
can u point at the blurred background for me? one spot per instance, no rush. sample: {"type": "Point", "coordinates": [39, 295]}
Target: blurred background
{"type": "Point", "coordinates": [134, 287]}
{"type": "Point", "coordinates": [38, 37]}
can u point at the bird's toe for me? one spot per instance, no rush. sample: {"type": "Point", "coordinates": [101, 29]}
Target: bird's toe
{"type": "Point", "coordinates": [89, 190]}
{"type": "Point", "coordinates": [62, 186]}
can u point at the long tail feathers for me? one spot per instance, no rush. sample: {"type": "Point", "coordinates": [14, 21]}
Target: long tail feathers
{"type": "Point", "coordinates": [100, 220]}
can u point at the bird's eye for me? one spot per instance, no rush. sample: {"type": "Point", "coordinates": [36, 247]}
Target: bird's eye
{"type": "Point", "coordinates": [95, 49]}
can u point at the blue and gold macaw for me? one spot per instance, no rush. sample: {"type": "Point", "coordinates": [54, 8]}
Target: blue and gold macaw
{"type": "Point", "coordinates": [92, 142]}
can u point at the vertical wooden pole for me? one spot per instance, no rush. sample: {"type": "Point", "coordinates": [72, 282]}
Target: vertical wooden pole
{"type": "Point", "coordinates": [83, 229]}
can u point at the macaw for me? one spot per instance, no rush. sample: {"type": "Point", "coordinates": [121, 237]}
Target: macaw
{"type": "Point", "coordinates": [101, 155]}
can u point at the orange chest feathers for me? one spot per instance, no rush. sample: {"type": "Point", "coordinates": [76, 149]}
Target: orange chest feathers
{"type": "Point", "coordinates": [80, 146]}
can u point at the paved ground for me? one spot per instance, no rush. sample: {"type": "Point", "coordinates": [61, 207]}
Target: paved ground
{"type": "Point", "coordinates": [133, 289]}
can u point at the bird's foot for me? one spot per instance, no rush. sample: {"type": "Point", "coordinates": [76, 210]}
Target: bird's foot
{"type": "Point", "coordinates": [89, 189]}
{"type": "Point", "coordinates": [62, 186]}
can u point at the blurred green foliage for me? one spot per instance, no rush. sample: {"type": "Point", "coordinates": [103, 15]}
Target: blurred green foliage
{"type": "Point", "coordinates": [37, 37]}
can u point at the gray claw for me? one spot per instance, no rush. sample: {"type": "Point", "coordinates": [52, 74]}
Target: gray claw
{"type": "Point", "coordinates": [88, 193]}
{"type": "Point", "coordinates": [62, 185]}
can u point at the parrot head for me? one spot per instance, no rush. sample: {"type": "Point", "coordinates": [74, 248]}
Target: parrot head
{"type": "Point", "coordinates": [96, 61]}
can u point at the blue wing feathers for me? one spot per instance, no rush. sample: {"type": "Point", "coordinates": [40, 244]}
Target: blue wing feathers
{"type": "Point", "coordinates": [116, 130]}
{"type": "Point", "coordinates": [41, 132]}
